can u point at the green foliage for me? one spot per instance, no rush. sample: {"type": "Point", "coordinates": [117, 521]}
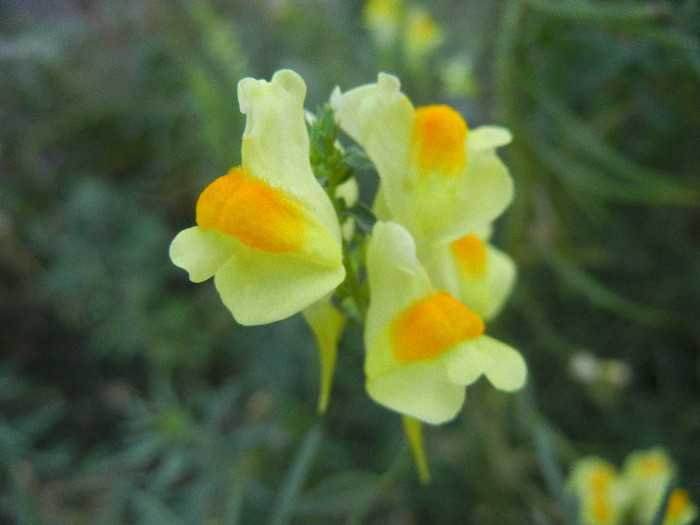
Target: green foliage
{"type": "Point", "coordinates": [128, 395]}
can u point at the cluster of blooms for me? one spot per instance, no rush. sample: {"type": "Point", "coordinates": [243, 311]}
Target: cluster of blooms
{"type": "Point", "coordinates": [269, 234]}
{"type": "Point", "coordinates": [412, 28]}
{"type": "Point", "coordinates": [634, 495]}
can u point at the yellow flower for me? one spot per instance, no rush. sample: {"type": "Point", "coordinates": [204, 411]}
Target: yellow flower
{"type": "Point", "coordinates": [383, 19]}
{"type": "Point", "coordinates": [422, 36]}
{"type": "Point", "coordinates": [444, 183]}
{"type": "Point", "coordinates": [457, 76]}
{"type": "Point", "coordinates": [439, 179]}
{"type": "Point", "coordinates": [649, 472]}
{"type": "Point", "coordinates": [423, 345]}
{"type": "Point", "coordinates": [266, 230]}
{"type": "Point", "coordinates": [601, 495]}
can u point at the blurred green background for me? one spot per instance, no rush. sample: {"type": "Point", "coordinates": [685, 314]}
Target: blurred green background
{"type": "Point", "coordinates": [129, 394]}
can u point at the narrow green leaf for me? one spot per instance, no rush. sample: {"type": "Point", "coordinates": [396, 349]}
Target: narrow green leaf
{"type": "Point", "coordinates": [363, 215]}
{"type": "Point", "coordinates": [585, 178]}
{"type": "Point", "coordinates": [152, 511]}
{"type": "Point", "coordinates": [599, 12]}
{"type": "Point", "coordinates": [584, 138]}
{"type": "Point", "coordinates": [357, 158]}
{"type": "Point", "coordinates": [338, 494]}
{"type": "Point", "coordinates": [286, 500]}
{"type": "Point", "coordinates": [599, 295]}
{"type": "Point", "coordinates": [553, 475]}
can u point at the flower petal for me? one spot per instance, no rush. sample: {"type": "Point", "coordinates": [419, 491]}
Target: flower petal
{"type": "Point", "coordinates": [276, 142]}
{"type": "Point", "coordinates": [508, 371]}
{"type": "Point", "coordinates": [420, 390]}
{"type": "Point", "coordinates": [489, 137]}
{"type": "Point", "coordinates": [201, 252]}
{"type": "Point", "coordinates": [465, 364]}
{"type": "Point", "coordinates": [261, 288]}
{"type": "Point", "coordinates": [475, 272]}
{"type": "Point", "coordinates": [379, 117]}
{"type": "Point", "coordinates": [396, 277]}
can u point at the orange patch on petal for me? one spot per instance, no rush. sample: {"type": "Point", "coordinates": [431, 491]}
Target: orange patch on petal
{"type": "Point", "coordinates": [438, 140]}
{"type": "Point", "coordinates": [601, 508]}
{"type": "Point", "coordinates": [431, 326]}
{"type": "Point", "coordinates": [677, 503]}
{"type": "Point", "coordinates": [600, 483]}
{"type": "Point", "coordinates": [653, 465]}
{"type": "Point", "coordinates": [470, 253]}
{"type": "Point", "coordinates": [258, 215]}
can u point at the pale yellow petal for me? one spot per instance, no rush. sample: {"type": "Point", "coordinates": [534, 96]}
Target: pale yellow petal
{"type": "Point", "coordinates": [396, 277]}
{"type": "Point", "coordinates": [201, 252]}
{"type": "Point", "coordinates": [276, 143]}
{"type": "Point", "coordinates": [508, 370]}
{"type": "Point", "coordinates": [379, 117]}
{"type": "Point", "coordinates": [465, 363]}
{"type": "Point", "coordinates": [420, 390]}
{"type": "Point", "coordinates": [260, 287]}
{"type": "Point", "coordinates": [485, 291]}
{"type": "Point", "coordinates": [489, 137]}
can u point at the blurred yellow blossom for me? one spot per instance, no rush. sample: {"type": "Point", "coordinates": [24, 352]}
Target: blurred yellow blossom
{"type": "Point", "coordinates": [422, 36]}
{"type": "Point", "coordinates": [383, 20]}
{"type": "Point", "coordinates": [457, 76]}
{"type": "Point", "coordinates": [602, 497]}
{"type": "Point", "coordinates": [649, 472]}
{"type": "Point", "coordinates": [606, 497]}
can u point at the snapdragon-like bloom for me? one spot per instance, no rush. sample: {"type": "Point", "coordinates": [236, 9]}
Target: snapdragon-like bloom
{"type": "Point", "coordinates": [648, 473]}
{"type": "Point", "coordinates": [266, 231]}
{"type": "Point", "coordinates": [423, 345]}
{"type": "Point", "coordinates": [442, 182]}
{"type": "Point", "coordinates": [422, 36]}
{"type": "Point", "coordinates": [383, 20]}
{"type": "Point", "coordinates": [602, 496]}
{"type": "Point", "coordinates": [439, 180]}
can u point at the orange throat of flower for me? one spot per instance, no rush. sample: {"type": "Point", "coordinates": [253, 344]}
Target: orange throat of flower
{"type": "Point", "coordinates": [438, 139]}
{"type": "Point", "coordinates": [258, 215]}
{"type": "Point", "coordinates": [432, 326]}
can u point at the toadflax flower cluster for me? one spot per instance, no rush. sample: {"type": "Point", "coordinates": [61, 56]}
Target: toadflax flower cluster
{"type": "Point", "coordinates": [636, 494]}
{"type": "Point", "coordinates": [433, 278]}
{"type": "Point", "coordinates": [269, 234]}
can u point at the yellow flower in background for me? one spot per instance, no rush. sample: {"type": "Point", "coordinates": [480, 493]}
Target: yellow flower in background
{"type": "Point", "coordinates": [649, 473]}
{"type": "Point", "coordinates": [423, 345]}
{"type": "Point", "coordinates": [602, 496]}
{"type": "Point", "coordinates": [422, 36]}
{"type": "Point", "coordinates": [458, 77]}
{"type": "Point", "coordinates": [438, 179]}
{"type": "Point", "coordinates": [383, 19]}
{"type": "Point", "coordinates": [266, 231]}
{"type": "Point", "coordinates": [608, 498]}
